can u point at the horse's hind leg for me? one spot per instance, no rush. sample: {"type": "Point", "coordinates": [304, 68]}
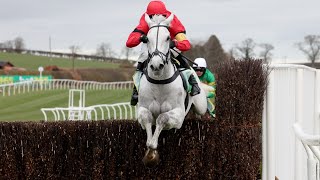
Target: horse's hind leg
{"type": "Point", "coordinates": [145, 118]}
{"type": "Point", "coordinates": [200, 102]}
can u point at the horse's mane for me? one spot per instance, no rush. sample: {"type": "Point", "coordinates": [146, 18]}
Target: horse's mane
{"type": "Point", "coordinates": [158, 18]}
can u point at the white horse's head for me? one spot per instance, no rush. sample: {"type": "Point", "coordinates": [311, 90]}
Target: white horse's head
{"type": "Point", "coordinates": [158, 44]}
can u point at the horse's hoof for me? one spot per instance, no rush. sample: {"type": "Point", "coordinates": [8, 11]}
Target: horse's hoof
{"type": "Point", "coordinates": [151, 158]}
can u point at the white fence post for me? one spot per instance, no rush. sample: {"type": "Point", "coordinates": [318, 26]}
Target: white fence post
{"type": "Point", "coordinates": [269, 170]}
{"type": "Point", "coordinates": [299, 116]}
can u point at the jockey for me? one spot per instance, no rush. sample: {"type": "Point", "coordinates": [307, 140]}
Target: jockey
{"type": "Point", "coordinates": [178, 41]}
{"type": "Point", "coordinates": [207, 77]}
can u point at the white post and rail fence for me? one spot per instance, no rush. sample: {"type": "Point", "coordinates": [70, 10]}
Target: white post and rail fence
{"type": "Point", "coordinates": [291, 124]}
{"type": "Point", "coordinates": [60, 84]}
{"type": "Point", "coordinates": [77, 110]}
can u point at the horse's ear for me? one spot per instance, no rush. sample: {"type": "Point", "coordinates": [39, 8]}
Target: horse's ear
{"type": "Point", "coordinates": [169, 19]}
{"type": "Point", "coordinates": [147, 18]}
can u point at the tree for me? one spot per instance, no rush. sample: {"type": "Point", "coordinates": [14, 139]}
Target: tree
{"type": "Point", "coordinates": [211, 50]}
{"type": "Point", "coordinates": [311, 47]}
{"type": "Point", "coordinates": [105, 50]}
{"type": "Point", "coordinates": [247, 48]}
{"type": "Point", "coordinates": [8, 45]}
{"type": "Point", "coordinates": [19, 45]}
{"type": "Point", "coordinates": [74, 50]}
{"type": "Point", "coordinates": [232, 53]}
{"type": "Point", "coordinates": [266, 51]}
{"type": "Point", "coordinates": [196, 51]}
{"type": "Point", "coordinates": [214, 52]}
{"type": "Point", "coordinates": [127, 52]}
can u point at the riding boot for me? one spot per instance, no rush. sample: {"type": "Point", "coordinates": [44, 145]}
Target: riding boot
{"type": "Point", "coordinates": [134, 97]}
{"type": "Point", "coordinates": [195, 89]}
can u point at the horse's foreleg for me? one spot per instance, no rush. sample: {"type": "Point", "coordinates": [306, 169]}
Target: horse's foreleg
{"type": "Point", "coordinates": [168, 120]}
{"type": "Point", "coordinates": [145, 118]}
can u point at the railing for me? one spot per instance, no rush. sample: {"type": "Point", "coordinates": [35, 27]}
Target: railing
{"type": "Point", "coordinates": [293, 96]}
{"type": "Point", "coordinates": [309, 142]}
{"type": "Point", "coordinates": [114, 111]}
{"type": "Point", "coordinates": [96, 112]}
{"type": "Point", "coordinates": [56, 84]}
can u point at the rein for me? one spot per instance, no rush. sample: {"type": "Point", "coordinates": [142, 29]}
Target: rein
{"type": "Point", "coordinates": [164, 57]}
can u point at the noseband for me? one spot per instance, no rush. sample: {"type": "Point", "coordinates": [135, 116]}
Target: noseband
{"type": "Point", "coordinates": [165, 59]}
{"type": "Point", "coordinates": [163, 56]}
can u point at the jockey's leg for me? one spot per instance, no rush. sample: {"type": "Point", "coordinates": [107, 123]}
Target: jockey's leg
{"type": "Point", "coordinates": [211, 108]}
{"type": "Point", "coordinates": [168, 120]}
{"type": "Point", "coordinates": [195, 86]}
{"type": "Point", "coordinates": [192, 81]}
{"type": "Point", "coordinates": [143, 56]}
{"type": "Point", "coordinates": [134, 97]}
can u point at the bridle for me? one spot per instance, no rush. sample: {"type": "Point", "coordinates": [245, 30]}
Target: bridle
{"type": "Point", "coordinates": [164, 57]}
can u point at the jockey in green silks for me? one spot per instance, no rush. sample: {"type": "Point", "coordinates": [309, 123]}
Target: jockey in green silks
{"type": "Point", "coordinates": [207, 77]}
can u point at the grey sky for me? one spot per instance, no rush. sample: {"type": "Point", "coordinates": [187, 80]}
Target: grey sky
{"type": "Point", "coordinates": [89, 23]}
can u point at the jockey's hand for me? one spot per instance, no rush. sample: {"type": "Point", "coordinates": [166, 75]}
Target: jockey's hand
{"type": "Point", "coordinates": [144, 38]}
{"type": "Point", "coordinates": [172, 44]}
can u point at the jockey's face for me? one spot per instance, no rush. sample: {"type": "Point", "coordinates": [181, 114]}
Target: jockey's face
{"type": "Point", "coordinates": [199, 73]}
{"type": "Point", "coordinates": [199, 70]}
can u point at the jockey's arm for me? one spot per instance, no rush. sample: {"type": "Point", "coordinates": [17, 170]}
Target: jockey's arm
{"type": "Point", "coordinates": [181, 42]}
{"type": "Point", "coordinates": [134, 37]}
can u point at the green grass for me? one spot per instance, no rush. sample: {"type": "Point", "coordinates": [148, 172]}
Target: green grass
{"type": "Point", "coordinates": [31, 62]}
{"type": "Point", "coordinates": [26, 107]}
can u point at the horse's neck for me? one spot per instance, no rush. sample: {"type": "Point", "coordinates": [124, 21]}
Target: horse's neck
{"type": "Point", "coordinates": [168, 72]}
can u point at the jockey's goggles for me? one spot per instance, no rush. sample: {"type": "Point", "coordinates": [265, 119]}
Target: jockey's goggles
{"type": "Point", "coordinates": [201, 69]}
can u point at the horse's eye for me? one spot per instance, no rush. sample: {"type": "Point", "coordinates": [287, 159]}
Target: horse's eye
{"type": "Point", "coordinates": [168, 38]}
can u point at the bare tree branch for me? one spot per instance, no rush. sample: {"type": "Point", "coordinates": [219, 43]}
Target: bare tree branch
{"type": "Point", "coordinates": [266, 51]}
{"type": "Point", "coordinates": [18, 44]}
{"type": "Point", "coordinates": [127, 52]}
{"type": "Point", "coordinates": [74, 49]}
{"type": "Point", "coordinates": [105, 50]}
{"type": "Point", "coordinates": [311, 47]}
{"type": "Point", "coordinates": [246, 48]}
{"type": "Point", "coordinates": [232, 53]}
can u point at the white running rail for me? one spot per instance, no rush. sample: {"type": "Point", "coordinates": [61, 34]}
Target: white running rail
{"type": "Point", "coordinates": [56, 84]}
{"type": "Point", "coordinates": [114, 111]}
{"type": "Point", "coordinates": [293, 97]}
{"type": "Point", "coordinates": [60, 113]}
{"type": "Point", "coordinates": [96, 112]}
{"type": "Point", "coordinates": [309, 142]}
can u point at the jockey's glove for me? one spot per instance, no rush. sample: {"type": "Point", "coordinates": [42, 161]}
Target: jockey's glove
{"type": "Point", "coordinates": [144, 38]}
{"type": "Point", "coordinates": [172, 44]}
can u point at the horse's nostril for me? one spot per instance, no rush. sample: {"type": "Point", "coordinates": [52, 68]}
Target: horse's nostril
{"type": "Point", "coordinates": [161, 66]}
{"type": "Point", "coordinates": [152, 67]}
